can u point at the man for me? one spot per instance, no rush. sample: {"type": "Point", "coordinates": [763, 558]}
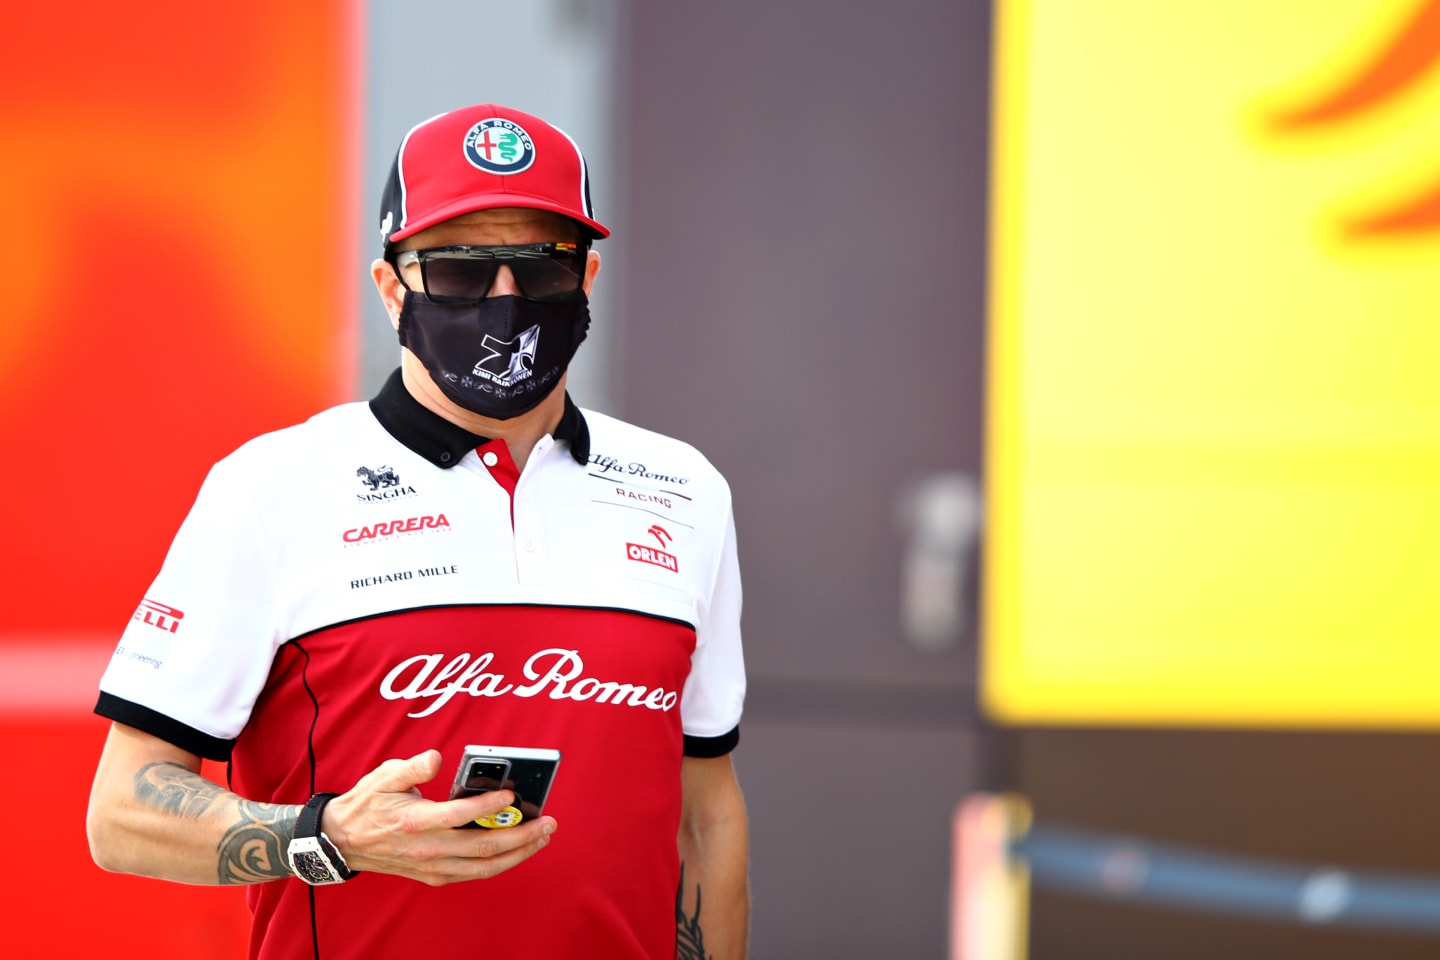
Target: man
{"type": "Point", "coordinates": [467, 559]}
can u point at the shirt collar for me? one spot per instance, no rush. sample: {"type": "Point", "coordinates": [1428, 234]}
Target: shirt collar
{"type": "Point", "coordinates": [442, 442]}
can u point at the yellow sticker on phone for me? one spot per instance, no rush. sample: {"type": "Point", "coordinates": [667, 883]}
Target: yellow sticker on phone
{"type": "Point", "coordinates": [509, 817]}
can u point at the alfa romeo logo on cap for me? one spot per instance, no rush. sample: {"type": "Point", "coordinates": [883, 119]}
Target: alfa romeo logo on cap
{"type": "Point", "coordinates": [499, 146]}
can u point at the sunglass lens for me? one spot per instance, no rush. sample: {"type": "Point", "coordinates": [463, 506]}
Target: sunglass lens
{"type": "Point", "coordinates": [540, 274]}
{"type": "Point", "coordinates": [458, 279]}
{"type": "Point", "coordinates": [552, 277]}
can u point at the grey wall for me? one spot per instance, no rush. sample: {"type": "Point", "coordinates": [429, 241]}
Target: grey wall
{"type": "Point", "coordinates": [557, 59]}
{"type": "Point", "coordinates": [806, 304]}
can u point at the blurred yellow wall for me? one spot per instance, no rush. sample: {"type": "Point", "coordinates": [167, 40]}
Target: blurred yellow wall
{"type": "Point", "coordinates": [1214, 443]}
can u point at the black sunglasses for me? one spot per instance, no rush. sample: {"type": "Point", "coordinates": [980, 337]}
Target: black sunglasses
{"type": "Point", "coordinates": [542, 271]}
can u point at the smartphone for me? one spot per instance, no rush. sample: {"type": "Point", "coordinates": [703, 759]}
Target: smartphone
{"type": "Point", "coordinates": [526, 771]}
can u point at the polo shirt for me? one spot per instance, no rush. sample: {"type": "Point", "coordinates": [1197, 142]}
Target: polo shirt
{"type": "Point", "coordinates": [376, 582]}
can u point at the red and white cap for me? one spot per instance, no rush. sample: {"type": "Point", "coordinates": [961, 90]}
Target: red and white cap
{"type": "Point", "coordinates": [480, 158]}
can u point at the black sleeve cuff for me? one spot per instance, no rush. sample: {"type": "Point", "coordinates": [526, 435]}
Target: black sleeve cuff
{"type": "Point", "coordinates": [167, 729]}
{"type": "Point", "coordinates": [708, 747]}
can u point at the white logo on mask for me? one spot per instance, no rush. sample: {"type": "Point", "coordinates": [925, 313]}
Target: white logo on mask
{"type": "Point", "coordinates": [517, 355]}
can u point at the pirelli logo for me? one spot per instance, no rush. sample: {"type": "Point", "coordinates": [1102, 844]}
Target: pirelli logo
{"type": "Point", "coordinates": [650, 555]}
{"type": "Point", "coordinates": [159, 615]}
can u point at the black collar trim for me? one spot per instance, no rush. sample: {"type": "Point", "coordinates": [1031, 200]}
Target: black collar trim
{"type": "Point", "coordinates": [442, 442]}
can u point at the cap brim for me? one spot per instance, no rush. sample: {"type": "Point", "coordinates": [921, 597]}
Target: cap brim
{"type": "Point", "coordinates": [491, 201]}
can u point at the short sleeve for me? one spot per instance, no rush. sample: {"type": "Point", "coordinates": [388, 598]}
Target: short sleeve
{"type": "Point", "coordinates": [714, 694]}
{"type": "Point", "coordinates": [196, 654]}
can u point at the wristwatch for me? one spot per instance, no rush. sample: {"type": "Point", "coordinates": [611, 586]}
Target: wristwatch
{"type": "Point", "coordinates": [313, 858]}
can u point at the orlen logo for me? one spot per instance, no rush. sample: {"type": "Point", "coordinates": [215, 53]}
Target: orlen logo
{"type": "Point", "coordinates": [650, 555]}
{"type": "Point", "coordinates": [159, 615]}
{"type": "Point", "coordinates": [394, 527]}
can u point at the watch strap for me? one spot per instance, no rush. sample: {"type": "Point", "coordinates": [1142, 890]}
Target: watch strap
{"type": "Point", "coordinates": [307, 825]}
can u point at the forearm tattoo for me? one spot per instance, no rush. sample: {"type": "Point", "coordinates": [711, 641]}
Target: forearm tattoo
{"type": "Point", "coordinates": [170, 788]}
{"type": "Point", "coordinates": [253, 847]}
{"type": "Point", "coordinates": [689, 938]}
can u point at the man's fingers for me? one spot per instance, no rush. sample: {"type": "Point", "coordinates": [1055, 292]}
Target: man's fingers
{"type": "Point", "coordinates": [489, 854]}
{"type": "Point", "coordinates": [459, 812]}
{"type": "Point", "coordinates": [425, 815]}
{"type": "Point", "coordinates": [490, 866]}
{"type": "Point", "coordinates": [402, 776]}
{"type": "Point", "coordinates": [448, 844]}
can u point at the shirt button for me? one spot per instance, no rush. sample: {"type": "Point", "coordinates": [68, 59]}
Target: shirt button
{"type": "Point", "coordinates": [445, 456]}
{"type": "Point", "coordinates": [530, 545]}
{"type": "Point", "coordinates": [489, 458]}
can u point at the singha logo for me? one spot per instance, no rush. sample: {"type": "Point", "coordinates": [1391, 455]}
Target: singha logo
{"type": "Point", "coordinates": [375, 479]}
{"type": "Point", "coordinates": [510, 361]}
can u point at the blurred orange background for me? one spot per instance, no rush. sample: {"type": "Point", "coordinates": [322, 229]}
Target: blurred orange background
{"type": "Point", "coordinates": [181, 181]}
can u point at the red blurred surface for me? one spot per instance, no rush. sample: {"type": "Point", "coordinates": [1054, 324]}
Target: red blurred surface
{"type": "Point", "coordinates": [180, 183]}
{"type": "Point", "coordinates": [57, 903]}
{"type": "Point", "coordinates": [179, 211]}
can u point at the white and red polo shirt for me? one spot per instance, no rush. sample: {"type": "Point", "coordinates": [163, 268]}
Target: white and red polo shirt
{"type": "Point", "coordinates": [376, 582]}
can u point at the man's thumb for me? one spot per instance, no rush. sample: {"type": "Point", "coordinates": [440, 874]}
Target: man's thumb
{"type": "Point", "coordinates": [416, 770]}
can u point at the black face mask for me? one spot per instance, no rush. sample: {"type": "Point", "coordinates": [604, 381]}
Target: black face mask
{"type": "Point", "coordinates": [499, 357]}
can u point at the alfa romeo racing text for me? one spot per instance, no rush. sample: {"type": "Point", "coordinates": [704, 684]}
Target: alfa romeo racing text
{"type": "Point", "coordinates": [556, 672]}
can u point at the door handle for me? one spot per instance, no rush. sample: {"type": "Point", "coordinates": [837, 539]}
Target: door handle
{"type": "Point", "coordinates": [940, 517]}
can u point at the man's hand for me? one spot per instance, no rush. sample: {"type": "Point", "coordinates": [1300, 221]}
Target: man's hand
{"type": "Point", "coordinates": [384, 825]}
{"type": "Point", "coordinates": [153, 814]}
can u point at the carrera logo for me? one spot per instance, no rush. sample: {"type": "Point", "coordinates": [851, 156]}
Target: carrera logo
{"type": "Point", "coordinates": [659, 558]}
{"type": "Point", "coordinates": [159, 615]}
{"type": "Point", "coordinates": [394, 528]}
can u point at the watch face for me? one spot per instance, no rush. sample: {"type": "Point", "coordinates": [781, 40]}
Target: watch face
{"type": "Point", "coordinates": [312, 867]}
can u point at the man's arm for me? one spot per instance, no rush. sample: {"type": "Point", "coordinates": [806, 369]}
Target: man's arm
{"type": "Point", "coordinates": [712, 906]}
{"type": "Point", "coordinates": [152, 814]}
